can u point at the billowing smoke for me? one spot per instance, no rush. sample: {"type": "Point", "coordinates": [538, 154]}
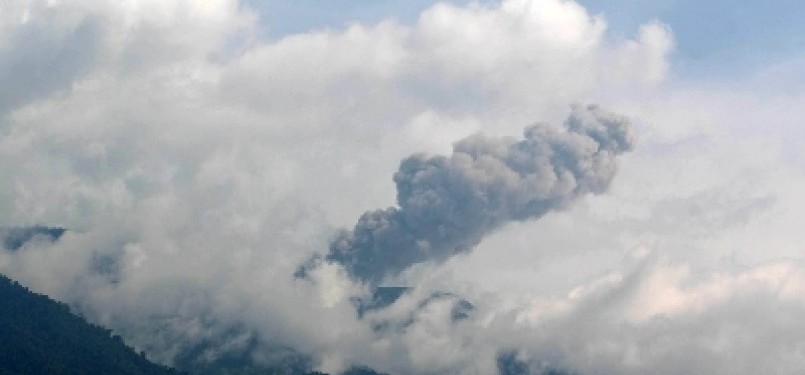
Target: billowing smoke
{"type": "Point", "coordinates": [448, 204]}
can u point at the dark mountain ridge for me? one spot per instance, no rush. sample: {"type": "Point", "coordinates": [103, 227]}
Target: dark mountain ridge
{"type": "Point", "coordinates": [41, 336]}
{"type": "Point", "coordinates": [14, 238]}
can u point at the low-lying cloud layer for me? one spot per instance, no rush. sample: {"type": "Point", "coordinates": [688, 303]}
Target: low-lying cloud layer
{"type": "Point", "coordinates": [197, 165]}
{"type": "Point", "coordinates": [448, 204]}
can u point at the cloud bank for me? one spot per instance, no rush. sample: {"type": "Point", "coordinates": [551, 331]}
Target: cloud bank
{"type": "Point", "coordinates": [197, 165]}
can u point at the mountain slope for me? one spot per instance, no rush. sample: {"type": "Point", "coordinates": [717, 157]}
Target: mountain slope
{"type": "Point", "coordinates": [41, 336]}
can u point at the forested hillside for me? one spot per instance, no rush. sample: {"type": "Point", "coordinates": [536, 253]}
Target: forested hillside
{"type": "Point", "coordinates": [40, 336]}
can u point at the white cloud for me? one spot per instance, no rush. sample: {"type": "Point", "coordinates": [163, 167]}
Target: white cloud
{"type": "Point", "coordinates": [198, 166]}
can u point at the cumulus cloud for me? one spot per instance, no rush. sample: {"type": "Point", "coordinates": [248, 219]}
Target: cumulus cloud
{"type": "Point", "coordinates": [656, 319]}
{"type": "Point", "coordinates": [197, 165]}
{"type": "Point", "coordinates": [44, 51]}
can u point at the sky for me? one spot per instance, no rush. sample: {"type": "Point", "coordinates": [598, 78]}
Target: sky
{"type": "Point", "coordinates": [595, 187]}
{"type": "Point", "coordinates": [714, 39]}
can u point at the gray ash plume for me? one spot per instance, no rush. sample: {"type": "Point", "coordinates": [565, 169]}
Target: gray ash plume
{"type": "Point", "coordinates": [447, 204]}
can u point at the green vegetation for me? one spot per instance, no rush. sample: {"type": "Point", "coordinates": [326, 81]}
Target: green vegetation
{"type": "Point", "coordinates": [40, 336]}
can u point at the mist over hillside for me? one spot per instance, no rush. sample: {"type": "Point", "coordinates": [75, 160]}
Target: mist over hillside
{"type": "Point", "coordinates": [41, 336]}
